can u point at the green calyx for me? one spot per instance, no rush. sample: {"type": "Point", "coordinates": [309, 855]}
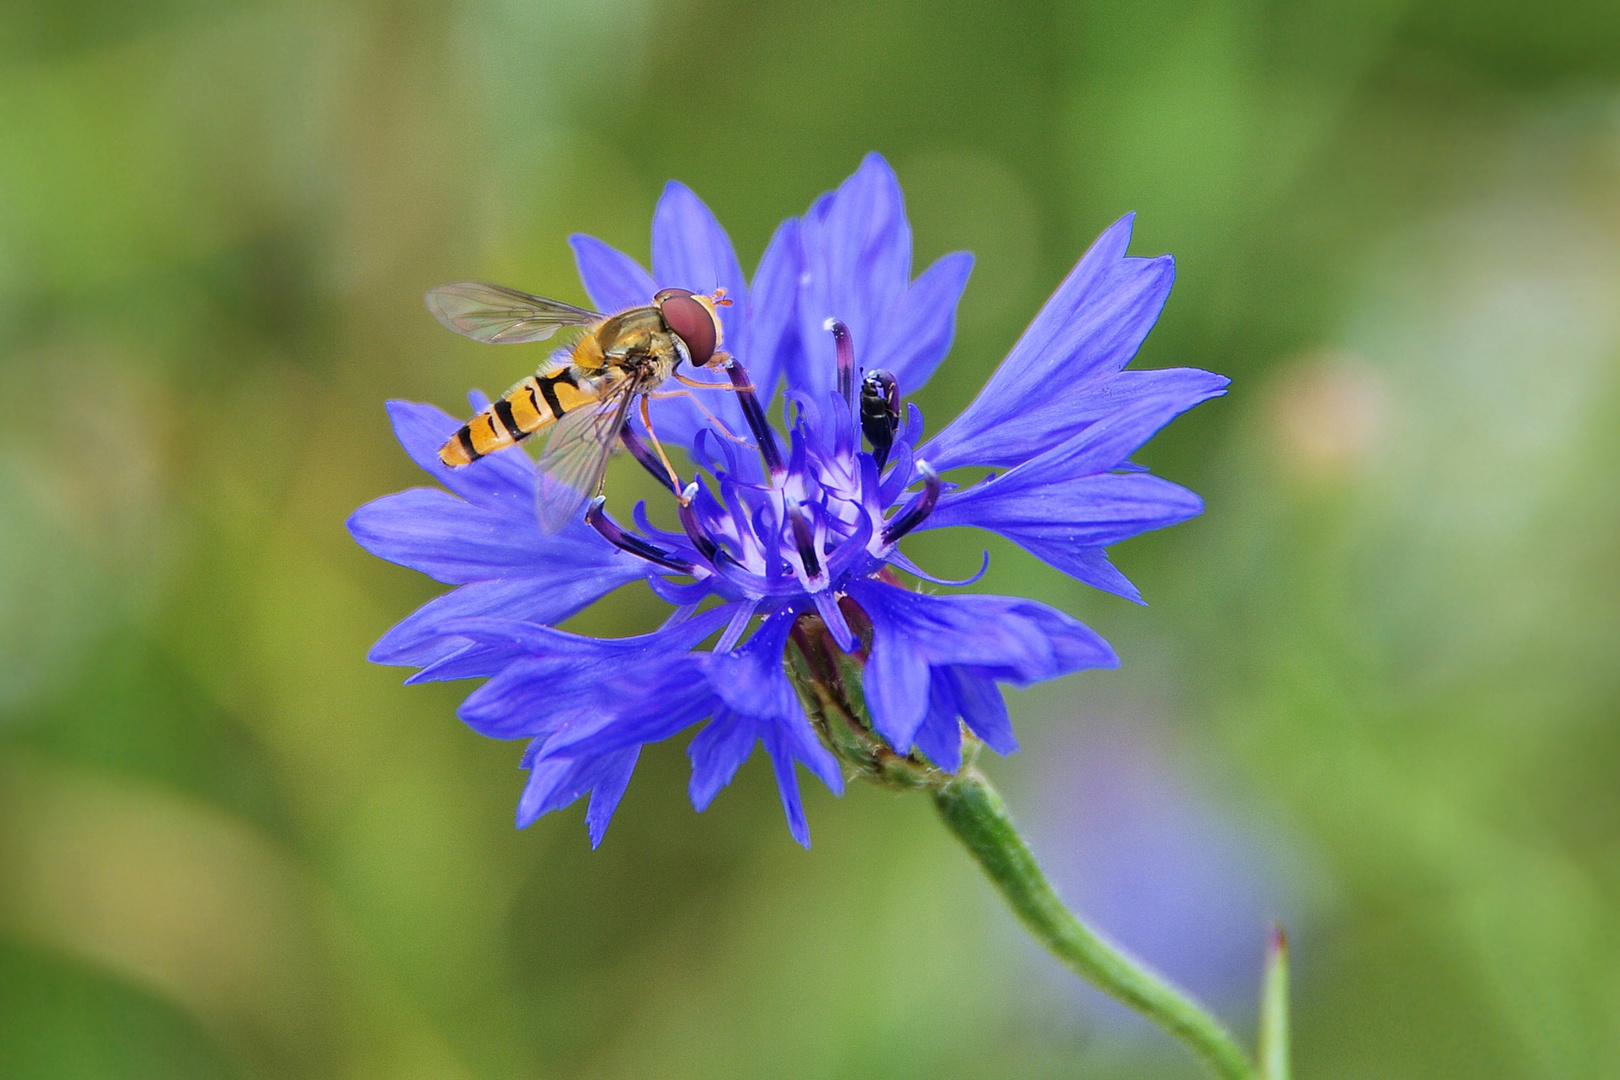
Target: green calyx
{"type": "Point", "coordinates": [830, 688]}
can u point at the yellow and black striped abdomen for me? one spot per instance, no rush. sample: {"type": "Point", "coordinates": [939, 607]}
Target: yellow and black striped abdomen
{"type": "Point", "coordinates": [534, 403]}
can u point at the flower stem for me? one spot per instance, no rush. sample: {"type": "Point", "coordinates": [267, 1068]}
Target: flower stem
{"type": "Point", "coordinates": [829, 685]}
{"type": "Point", "coordinates": [976, 813]}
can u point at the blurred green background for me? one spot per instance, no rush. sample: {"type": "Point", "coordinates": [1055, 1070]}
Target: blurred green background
{"type": "Point", "coordinates": [1375, 694]}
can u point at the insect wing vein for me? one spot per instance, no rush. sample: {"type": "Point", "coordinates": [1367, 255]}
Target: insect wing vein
{"type": "Point", "coordinates": [571, 467]}
{"type": "Point", "coordinates": [498, 315]}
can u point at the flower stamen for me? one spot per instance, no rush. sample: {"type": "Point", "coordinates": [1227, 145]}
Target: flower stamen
{"type": "Point", "coordinates": [638, 450]}
{"type": "Point", "coordinates": [804, 538]}
{"type": "Point", "coordinates": [920, 507]}
{"type": "Point", "coordinates": [695, 532]}
{"type": "Point", "coordinates": [635, 545]}
{"type": "Point", "coordinates": [846, 360]}
{"type": "Point", "coordinates": [764, 434]}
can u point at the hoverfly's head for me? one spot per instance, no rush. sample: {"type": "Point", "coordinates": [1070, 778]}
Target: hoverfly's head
{"type": "Point", "coordinates": [694, 319]}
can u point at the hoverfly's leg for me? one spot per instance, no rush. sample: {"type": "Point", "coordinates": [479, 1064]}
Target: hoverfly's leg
{"type": "Point", "coordinates": [713, 419]}
{"type": "Point", "coordinates": [647, 459]}
{"type": "Point", "coordinates": [701, 385]}
{"type": "Point", "coordinates": [674, 478]}
{"type": "Point", "coordinates": [719, 361]}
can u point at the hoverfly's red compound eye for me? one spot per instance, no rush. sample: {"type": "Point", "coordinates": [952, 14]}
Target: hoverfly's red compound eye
{"type": "Point", "coordinates": [692, 321]}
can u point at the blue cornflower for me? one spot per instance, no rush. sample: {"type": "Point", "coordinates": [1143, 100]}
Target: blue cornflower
{"type": "Point", "coordinates": [779, 537]}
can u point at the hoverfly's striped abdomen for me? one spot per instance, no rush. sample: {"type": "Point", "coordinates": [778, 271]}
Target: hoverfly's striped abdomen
{"type": "Point", "coordinates": [534, 403]}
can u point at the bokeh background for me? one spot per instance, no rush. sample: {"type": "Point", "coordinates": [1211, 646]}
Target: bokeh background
{"type": "Point", "coordinates": [1374, 695]}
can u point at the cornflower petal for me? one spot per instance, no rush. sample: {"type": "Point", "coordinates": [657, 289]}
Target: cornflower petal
{"type": "Point", "coordinates": [419, 639]}
{"type": "Point", "coordinates": [553, 785]}
{"type": "Point", "coordinates": [1008, 639]}
{"type": "Point", "coordinates": [490, 544]}
{"type": "Point", "coordinates": [856, 247]}
{"type": "Point", "coordinates": [691, 251]}
{"type": "Point", "coordinates": [750, 681]}
{"type": "Point", "coordinates": [717, 752]}
{"type": "Point", "coordinates": [770, 341]}
{"type": "Point", "coordinates": [612, 780]}
{"type": "Point", "coordinates": [856, 265]}
{"type": "Point", "coordinates": [548, 788]}
{"type": "Point", "coordinates": [981, 706]}
{"type": "Point", "coordinates": [1021, 435]}
{"type": "Point", "coordinates": [1077, 519]}
{"type": "Point", "coordinates": [960, 695]}
{"type": "Point", "coordinates": [569, 686]}
{"type": "Point", "coordinates": [787, 782]}
{"type": "Point", "coordinates": [613, 280]}
{"type": "Point", "coordinates": [1065, 501]}
{"type": "Point", "coordinates": [629, 705]}
{"type": "Point", "coordinates": [896, 685]}
{"type": "Point", "coordinates": [918, 333]}
{"type": "Point", "coordinates": [939, 736]}
{"type": "Point", "coordinates": [411, 528]}
{"type": "Point", "coordinates": [649, 705]}
{"type": "Point", "coordinates": [756, 701]}
{"type": "Point", "coordinates": [498, 641]}
{"type": "Point", "coordinates": [1092, 326]}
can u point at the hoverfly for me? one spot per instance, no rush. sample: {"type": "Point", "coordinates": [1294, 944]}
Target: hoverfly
{"type": "Point", "coordinates": [584, 393]}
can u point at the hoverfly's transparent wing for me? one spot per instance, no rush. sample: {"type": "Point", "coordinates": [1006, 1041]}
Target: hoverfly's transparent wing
{"type": "Point", "coordinates": [499, 315]}
{"type": "Point", "coordinates": [570, 469]}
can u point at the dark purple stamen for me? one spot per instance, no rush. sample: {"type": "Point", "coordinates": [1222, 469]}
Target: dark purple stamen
{"type": "Point", "coordinates": [630, 542]}
{"type": "Point", "coordinates": [764, 435]}
{"type": "Point", "coordinates": [880, 412]}
{"type": "Point", "coordinates": [695, 531]}
{"type": "Point", "coordinates": [920, 508]}
{"type": "Point", "coordinates": [846, 359]}
{"type": "Point", "coordinates": [649, 460]}
{"type": "Point", "coordinates": [805, 539]}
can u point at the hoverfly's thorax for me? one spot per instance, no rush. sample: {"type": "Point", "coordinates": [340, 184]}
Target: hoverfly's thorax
{"type": "Point", "coordinates": [588, 353]}
{"type": "Point", "coordinates": [627, 335]}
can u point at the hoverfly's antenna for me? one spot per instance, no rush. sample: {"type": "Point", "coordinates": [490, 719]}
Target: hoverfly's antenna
{"type": "Point", "coordinates": [719, 297]}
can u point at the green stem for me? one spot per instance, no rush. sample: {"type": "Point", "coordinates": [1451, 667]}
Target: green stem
{"type": "Point", "coordinates": [830, 686]}
{"type": "Point", "coordinates": [976, 813]}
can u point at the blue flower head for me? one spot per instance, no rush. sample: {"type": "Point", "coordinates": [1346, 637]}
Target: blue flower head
{"type": "Point", "coordinates": [782, 531]}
